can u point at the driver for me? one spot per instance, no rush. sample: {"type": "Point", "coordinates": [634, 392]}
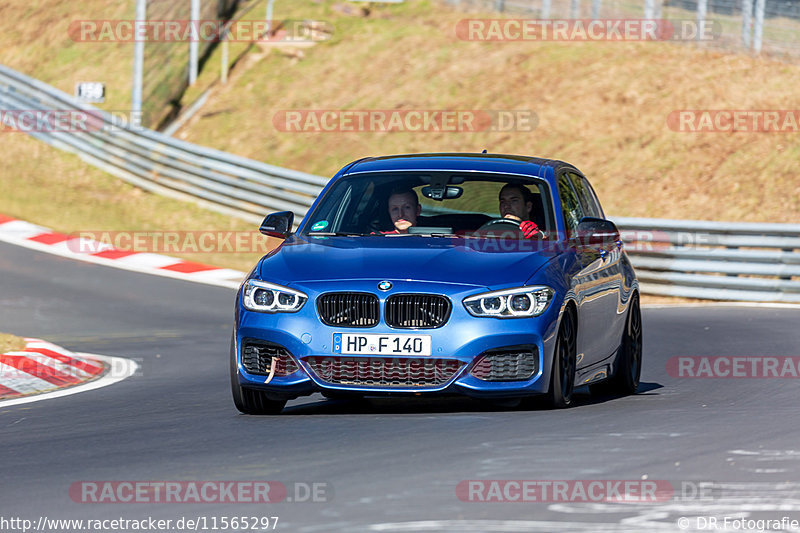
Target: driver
{"type": "Point", "coordinates": [404, 209]}
{"type": "Point", "coordinates": [516, 203]}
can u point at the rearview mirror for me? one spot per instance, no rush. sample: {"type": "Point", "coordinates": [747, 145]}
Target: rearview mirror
{"type": "Point", "coordinates": [278, 225]}
{"type": "Point", "coordinates": [439, 193]}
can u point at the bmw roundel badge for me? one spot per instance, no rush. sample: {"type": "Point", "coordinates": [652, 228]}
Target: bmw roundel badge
{"type": "Point", "coordinates": [385, 285]}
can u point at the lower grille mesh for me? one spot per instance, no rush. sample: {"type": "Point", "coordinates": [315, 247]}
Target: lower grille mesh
{"type": "Point", "coordinates": [384, 371]}
{"type": "Point", "coordinates": [507, 365]}
{"type": "Point", "coordinates": [257, 359]}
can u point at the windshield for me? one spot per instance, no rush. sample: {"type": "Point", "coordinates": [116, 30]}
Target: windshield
{"type": "Point", "coordinates": [433, 204]}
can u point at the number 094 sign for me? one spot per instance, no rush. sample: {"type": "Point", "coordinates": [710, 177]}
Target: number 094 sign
{"type": "Point", "coordinates": [91, 91]}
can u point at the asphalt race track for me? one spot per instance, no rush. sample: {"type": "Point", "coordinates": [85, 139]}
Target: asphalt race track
{"type": "Point", "coordinates": [388, 464]}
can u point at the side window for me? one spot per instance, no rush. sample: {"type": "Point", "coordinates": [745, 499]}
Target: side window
{"type": "Point", "coordinates": [591, 207]}
{"type": "Point", "coordinates": [569, 203]}
{"type": "Point", "coordinates": [593, 196]}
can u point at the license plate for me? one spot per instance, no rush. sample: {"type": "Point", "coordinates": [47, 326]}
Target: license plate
{"type": "Point", "coordinates": [355, 344]}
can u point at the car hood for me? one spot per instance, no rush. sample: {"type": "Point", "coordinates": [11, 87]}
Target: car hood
{"type": "Point", "coordinates": [483, 263]}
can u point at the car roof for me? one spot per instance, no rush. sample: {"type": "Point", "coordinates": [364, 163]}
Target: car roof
{"type": "Point", "coordinates": [512, 164]}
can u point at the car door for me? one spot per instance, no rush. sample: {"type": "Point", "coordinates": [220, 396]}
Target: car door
{"type": "Point", "coordinates": [582, 280]}
{"type": "Point", "coordinates": [602, 283]}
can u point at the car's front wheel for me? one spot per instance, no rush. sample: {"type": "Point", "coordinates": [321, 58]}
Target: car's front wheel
{"type": "Point", "coordinates": [628, 370]}
{"type": "Point", "coordinates": [250, 401]}
{"type": "Point", "coordinates": [562, 375]}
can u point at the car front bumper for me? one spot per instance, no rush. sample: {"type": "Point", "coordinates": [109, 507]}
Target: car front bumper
{"type": "Point", "coordinates": [456, 348]}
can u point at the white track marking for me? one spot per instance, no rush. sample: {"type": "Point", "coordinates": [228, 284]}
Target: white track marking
{"type": "Point", "coordinates": [21, 381]}
{"type": "Point", "coordinates": [122, 369]}
{"type": "Point", "coordinates": [44, 360]}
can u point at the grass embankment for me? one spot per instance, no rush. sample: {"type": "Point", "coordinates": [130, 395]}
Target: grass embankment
{"type": "Point", "coordinates": [601, 106]}
{"type": "Point", "coordinates": [10, 343]}
{"type": "Point", "coordinates": [35, 40]}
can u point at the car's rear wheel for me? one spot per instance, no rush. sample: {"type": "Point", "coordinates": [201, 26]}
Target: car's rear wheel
{"type": "Point", "coordinates": [628, 370]}
{"type": "Point", "coordinates": [562, 375]}
{"type": "Point", "coordinates": [250, 401]}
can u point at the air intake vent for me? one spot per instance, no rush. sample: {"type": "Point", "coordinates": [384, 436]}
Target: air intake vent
{"type": "Point", "coordinates": [257, 358]}
{"type": "Point", "coordinates": [417, 311]}
{"type": "Point", "coordinates": [517, 363]}
{"type": "Point", "coordinates": [349, 309]}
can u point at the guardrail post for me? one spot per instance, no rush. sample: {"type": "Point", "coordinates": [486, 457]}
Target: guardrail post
{"type": "Point", "coordinates": [194, 42]}
{"type": "Point", "coordinates": [747, 17]}
{"type": "Point", "coordinates": [702, 9]}
{"type": "Point", "coordinates": [138, 66]}
{"type": "Point", "coordinates": [649, 9]}
{"type": "Point", "coordinates": [270, 5]}
{"type": "Point", "coordinates": [758, 29]}
{"type": "Point", "coordinates": [223, 76]}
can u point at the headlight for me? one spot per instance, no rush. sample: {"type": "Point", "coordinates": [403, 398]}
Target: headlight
{"type": "Point", "coordinates": [510, 303]}
{"type": "Point", "coordinates": [270, 298]}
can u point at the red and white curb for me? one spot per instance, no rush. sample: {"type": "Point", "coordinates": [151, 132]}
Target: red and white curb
{"type": "Point", "coordinates": [29, 235]}
{"type": "Point", "coordinates": [44, 370]}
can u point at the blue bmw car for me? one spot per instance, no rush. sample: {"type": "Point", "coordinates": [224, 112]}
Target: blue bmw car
{"type": "Point", "coordinates": [491, 276]}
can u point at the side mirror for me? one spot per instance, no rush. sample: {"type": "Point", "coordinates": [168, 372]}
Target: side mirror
{"type": "Point", "coordinates": [278, 225]}
{"type": "Point", "coordinates": [597, 232]}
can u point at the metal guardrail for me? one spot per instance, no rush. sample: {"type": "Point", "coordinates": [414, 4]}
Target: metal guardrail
{"type": "Point", "coordinates": [156, 162]}
{"type": "Point", "coordinates": [694, 259]}
{"type": "Point", "coordinates": [715, 260]}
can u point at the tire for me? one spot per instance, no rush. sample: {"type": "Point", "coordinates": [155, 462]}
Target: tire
{"type": "Point", "coordinates": [250, 401]}
{"type": "Point", "coordinates": [562, 375]}
{"type": "Point", "coordinates": [625, 380]}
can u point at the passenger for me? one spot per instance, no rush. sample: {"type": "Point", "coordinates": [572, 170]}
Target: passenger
{"type": "Point", "coordinates": [404, 209]}
{"type": "Point", "coordinates": [516, 203]}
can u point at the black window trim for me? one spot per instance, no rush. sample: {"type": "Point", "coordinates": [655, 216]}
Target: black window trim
{"type": "Point", "coordinates": [563, 173]}
{"type": "Point", "coordinates": [588, 185]}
